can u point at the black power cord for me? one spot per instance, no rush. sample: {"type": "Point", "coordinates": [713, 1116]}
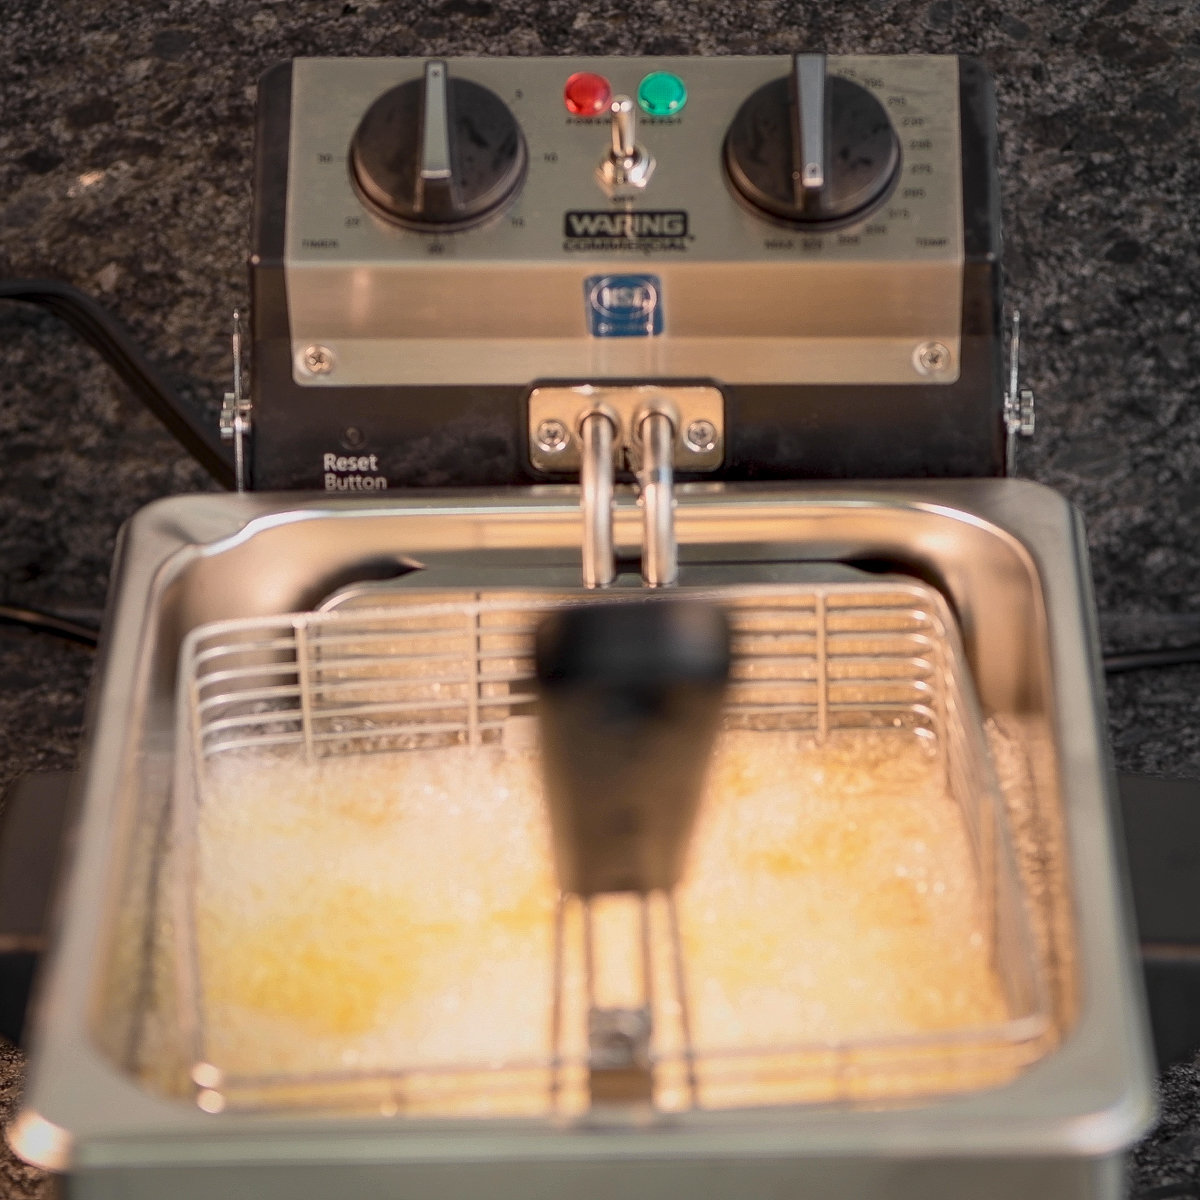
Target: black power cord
{"type": "Point", "coordinates": [1140, 660]}
{"type": "Point", "coordinates": [44, 622]}
{"type": "Point", "coordinates": [97, 326]}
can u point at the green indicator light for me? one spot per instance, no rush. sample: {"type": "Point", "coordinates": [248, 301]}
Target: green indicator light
{"type": "Point", "coordinates": [662, 94]}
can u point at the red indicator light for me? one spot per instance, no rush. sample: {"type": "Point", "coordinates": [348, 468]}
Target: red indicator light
{"type": "Point", "coordinates": [587, 95]}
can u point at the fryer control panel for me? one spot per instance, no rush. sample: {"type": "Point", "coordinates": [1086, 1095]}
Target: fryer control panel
{"type": "Point", "coordinates": [759, 220]}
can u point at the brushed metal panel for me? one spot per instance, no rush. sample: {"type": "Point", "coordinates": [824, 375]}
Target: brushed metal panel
{"type": "Point", "coordinates": [745, 300]}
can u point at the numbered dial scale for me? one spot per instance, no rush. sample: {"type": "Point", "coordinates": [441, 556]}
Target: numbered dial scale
{"type": "Point", "coordinates": [815, 236]}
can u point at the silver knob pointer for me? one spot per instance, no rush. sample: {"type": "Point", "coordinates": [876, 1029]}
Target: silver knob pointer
{"type": "Point", "coordinates": [435, 140]}
{"type": "Point", "coordinates": [809, 118]}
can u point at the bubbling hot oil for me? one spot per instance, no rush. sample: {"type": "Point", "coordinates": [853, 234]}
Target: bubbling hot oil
{"type": "Point", "coordinates": [395, 911]}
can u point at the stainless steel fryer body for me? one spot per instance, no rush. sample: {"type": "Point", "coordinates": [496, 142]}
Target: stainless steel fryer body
{"type": "Point", "coordinates": [1011, 558]}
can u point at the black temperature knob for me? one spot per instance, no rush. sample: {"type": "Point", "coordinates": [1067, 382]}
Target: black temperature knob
{"type": "Point", "coordinates": [812, 150]}
{"type": "Point", "coordinates": [437, 153]}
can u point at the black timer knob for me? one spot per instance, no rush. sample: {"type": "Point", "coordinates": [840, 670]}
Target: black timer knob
{"type": "Point", "coordinates": [438, 153]}
{"type": "Point", "coordinates": [811, 149]}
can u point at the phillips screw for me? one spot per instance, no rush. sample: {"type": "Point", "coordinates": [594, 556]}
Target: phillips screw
{"type": "Point", "coordinates": [701, 437]}
{"type": "Point", "coordinates": [318, 360]}
{"type": "Point", "coordinates": [552, 437]}
{"type": "Point", "coordinates": [931, 358]}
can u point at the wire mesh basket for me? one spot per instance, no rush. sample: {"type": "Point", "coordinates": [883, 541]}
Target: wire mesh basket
{"type": "Point", "coordinates": [309, 744]}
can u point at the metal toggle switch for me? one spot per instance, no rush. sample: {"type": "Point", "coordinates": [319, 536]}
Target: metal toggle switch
{"type": "Point", "coordinates": [626, 168]}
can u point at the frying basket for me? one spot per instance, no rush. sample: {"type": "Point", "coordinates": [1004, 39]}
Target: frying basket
{"type": "Point", "coordinates": [808, 661]}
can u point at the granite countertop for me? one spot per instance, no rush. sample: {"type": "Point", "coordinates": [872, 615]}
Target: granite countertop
{"type": "Point", "coordinates": [125, 165]}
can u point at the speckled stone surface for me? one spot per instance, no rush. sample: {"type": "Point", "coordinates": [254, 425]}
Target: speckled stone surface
{"type": "Point", "coordinates": [125, 150]}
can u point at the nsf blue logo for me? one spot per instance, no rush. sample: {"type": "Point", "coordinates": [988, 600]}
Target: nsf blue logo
{"type": "Point", "coordinates": [623, 305]}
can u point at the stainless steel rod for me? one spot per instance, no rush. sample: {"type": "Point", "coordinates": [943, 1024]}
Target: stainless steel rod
{"type": "Point", "coordinates": [681, 994]}
{"type": "Point", "coordinates": [660, 558]}
{"type": "Point", "coordinates": [556, 1004]}
{"type": "Point", "coordinates": [647, 954]}
{"type": "Point", "coordinates": [596, 500]}
{"type": "Point", "coordinates": [589, 954]}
